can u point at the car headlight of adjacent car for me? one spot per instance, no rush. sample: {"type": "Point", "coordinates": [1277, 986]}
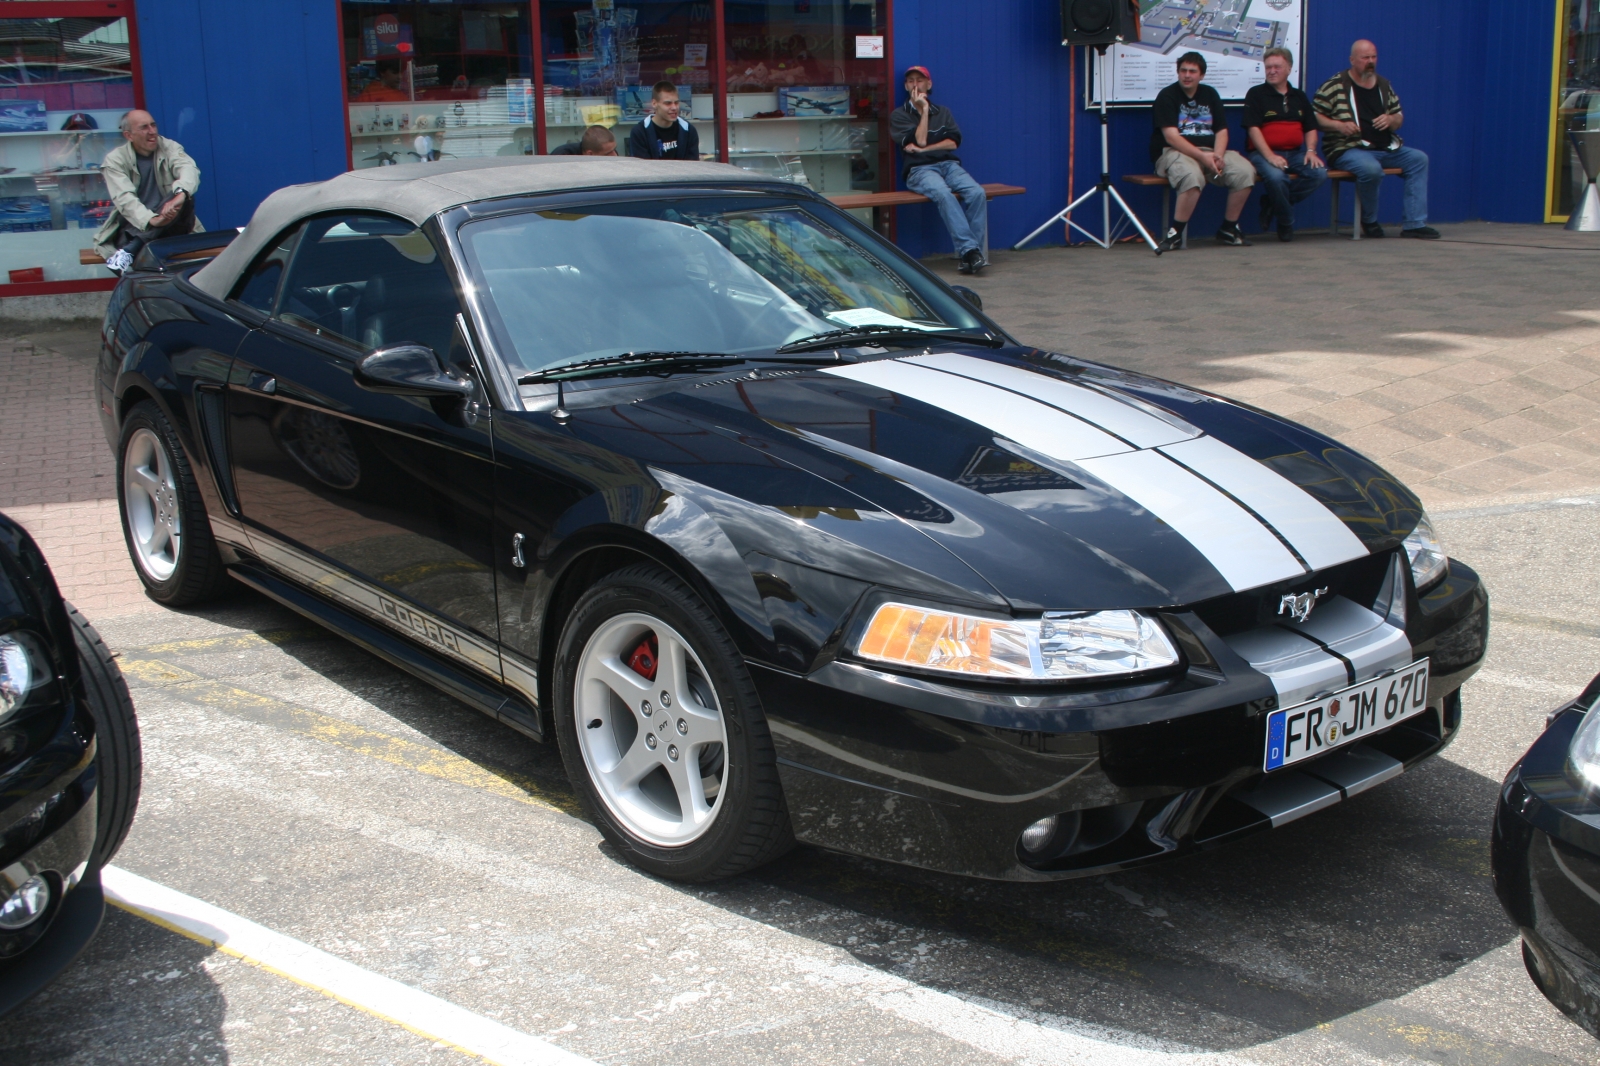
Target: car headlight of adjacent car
{"type": "Point", "coordinates": [1060, 646]}
{"type": "Point", "coordinates": [1583, 755]}
{"type": "Point", "coordinates": [23, 670]}
{"type": "Point", "coordinates": [1428, 560]}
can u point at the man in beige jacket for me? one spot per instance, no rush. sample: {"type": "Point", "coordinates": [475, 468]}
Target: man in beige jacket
{"type": "Point", "coordinates": [152, 182]}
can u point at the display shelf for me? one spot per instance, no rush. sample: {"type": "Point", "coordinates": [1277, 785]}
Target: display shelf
{"type": "Point", "coordinates": [429, 131]}
{"type": "Point", "coordinates": [49, 174]}
{"type": "Point", "coordinates": [56, 133]}
{"type": "Point", "coordinates": [802, 118]}
{"type": "Point", "coordinates": [803, 151]}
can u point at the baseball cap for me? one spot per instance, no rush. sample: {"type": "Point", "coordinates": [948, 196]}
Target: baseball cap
{"type": "Point", "coordinates": [920, 70]}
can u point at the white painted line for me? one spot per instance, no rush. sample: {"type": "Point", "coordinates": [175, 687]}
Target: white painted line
{"type": "Point", "coordinates": [385, 998]}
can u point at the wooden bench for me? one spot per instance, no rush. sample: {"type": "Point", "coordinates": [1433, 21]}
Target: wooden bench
{"type": "Point", "coordinates": [1334, 178]}
{"type": "Point", "coordinates": [90, 258]}
{"type": "Point", "coordinates": [882, 202]}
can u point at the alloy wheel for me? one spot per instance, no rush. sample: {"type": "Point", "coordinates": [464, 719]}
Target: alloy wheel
{"type": "Point", "coordinates": [650, 729]}
{"type": "Point", "coordinates": [150, 496]}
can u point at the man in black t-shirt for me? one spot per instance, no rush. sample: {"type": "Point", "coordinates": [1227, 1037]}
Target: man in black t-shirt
{"type": "Point", "coordinates": [664, 134]}
{"type": "Point", "coordinates": [1282, 130]}
{"type": "Point", "coordinates": [1189, 144]}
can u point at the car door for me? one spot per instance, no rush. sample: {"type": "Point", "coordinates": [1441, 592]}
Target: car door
{"type": "Point", "coordinates": [382, 502]}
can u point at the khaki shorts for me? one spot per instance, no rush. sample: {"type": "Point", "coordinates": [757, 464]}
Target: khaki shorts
{"type": "Point", "coordinates": [1183, 173]}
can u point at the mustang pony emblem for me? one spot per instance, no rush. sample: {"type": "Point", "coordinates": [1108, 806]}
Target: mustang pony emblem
{"type": "Point", "coordinates": [1299, 606]}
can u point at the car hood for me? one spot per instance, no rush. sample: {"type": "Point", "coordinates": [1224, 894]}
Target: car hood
{"type": "Point", "coordinates": [1062, 484]}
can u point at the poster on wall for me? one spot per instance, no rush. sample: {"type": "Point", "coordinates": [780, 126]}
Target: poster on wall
{"type": "Point", "coordinates": [1231, 34]}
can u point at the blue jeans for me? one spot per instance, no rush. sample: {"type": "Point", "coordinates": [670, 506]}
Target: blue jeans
{"type": "Point", "coordinates": [1368, 167]}
{"type": "Point", "coordinates": [960, 200]}
{"type": "Point", "coordinates": [1285, 188]}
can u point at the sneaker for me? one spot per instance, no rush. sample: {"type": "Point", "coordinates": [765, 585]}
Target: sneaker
{"type": "Point", "coordinates": [1285, 234]}
{"type": "Point", "coordinates": [1371, 229]}
{"type": "Point", "coordinates": [120, 261]}
{"type": "Point", "coordinates": [1426, 233]}
{"type": "Point", "coordinates": [971, 261]}
{"type": "Point", "coordinates": [1172, 242]}
{"type": "Point", "coordinates": [1228, 233]}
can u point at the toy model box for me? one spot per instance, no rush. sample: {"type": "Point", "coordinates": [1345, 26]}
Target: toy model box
{"type": "Point", "coordinates": [797, 100]}
{"type": "Point", "coordinates": [18, 116]}
{"type": "Point", "coordinates": [24, 214]}
{"type": "Point", "coordinates": [87, 215]}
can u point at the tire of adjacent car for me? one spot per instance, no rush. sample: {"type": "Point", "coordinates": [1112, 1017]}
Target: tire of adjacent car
{"type": "Point", "coordinates": [199, 574]}
{"type": "Point", "coordinates": [752, 827]}
{"type": "Point", "coordinates": [120, 761]}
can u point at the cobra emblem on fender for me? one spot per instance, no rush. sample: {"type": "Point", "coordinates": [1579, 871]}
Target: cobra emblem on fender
{"type": "Point", "coordinates": [1299, 606]}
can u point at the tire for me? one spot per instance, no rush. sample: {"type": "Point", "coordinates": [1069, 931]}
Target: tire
{"type": "Point", "coordinates": [120, 760]}
{"type": "Point", "coordinates": [729, 815]}
{"type": "Point", "coordinates": [163, 515]}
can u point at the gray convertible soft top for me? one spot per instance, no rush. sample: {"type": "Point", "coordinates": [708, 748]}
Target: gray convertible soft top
{"type": "Point", "coordinates": [418, 191]}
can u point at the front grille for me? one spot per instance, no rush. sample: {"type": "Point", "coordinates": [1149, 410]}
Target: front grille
{"type": "Point", "coordinates": [1187, 752]}
{"type": "Point", "coordinates": [1357, 580]}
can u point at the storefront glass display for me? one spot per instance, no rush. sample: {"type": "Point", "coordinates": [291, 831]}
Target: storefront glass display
{"type": "Point", "coordinates": [601, 58]}
{"type": "Point", "coordinates": [1577, 119]}
{"type": "Point", "coordinates": [809, 91]}
{"type": "Point", "coordinates": [64, 85]}
{"type": "Point", "coordinates": [437, 80]}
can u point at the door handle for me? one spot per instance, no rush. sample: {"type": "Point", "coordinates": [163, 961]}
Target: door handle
{"type": "Point", "coordinates": [260, 382]}
{"type": "Point", "coordinates": [516, 551]}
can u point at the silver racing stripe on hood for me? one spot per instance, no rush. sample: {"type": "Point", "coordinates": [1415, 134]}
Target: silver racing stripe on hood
{"type": "Point", "coordinates": [1132, 423]}
{"type": "Point", "coordinates": [1245, 552]}
{"type": "Point", "coordinates": [1315, 533]}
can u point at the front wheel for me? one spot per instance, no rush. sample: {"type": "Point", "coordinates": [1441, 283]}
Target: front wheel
{"type": "Point", "coordinates": [163, 515]}
{"type": "Point", "coordinates": [662, 732]}
{"type": "Point", "coordinates": [119, 758]}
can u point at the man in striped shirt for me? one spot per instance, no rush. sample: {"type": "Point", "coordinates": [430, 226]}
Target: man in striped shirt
{"type": "Point", "coordinates": [1360, 114]}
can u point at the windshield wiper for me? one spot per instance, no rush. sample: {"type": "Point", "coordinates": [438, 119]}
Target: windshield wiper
{"type": "Point", "coordinates": [645, 361]}
{"type": "Point", "coordinates": [873, 333]}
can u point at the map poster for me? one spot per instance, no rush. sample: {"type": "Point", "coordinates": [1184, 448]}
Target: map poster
{"type": "Point", "coordinates": [1231, 34]}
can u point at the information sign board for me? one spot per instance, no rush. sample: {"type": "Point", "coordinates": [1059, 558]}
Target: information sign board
{"type": "Point", "coordinates": [1231, 34]}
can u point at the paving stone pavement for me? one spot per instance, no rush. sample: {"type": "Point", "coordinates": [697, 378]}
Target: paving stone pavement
{"type": "Point", "coordinates": [1469, 367]}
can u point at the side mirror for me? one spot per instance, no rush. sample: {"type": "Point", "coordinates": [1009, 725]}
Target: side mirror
{"type": "Point", "coordinates": [968, 295]}
{"type": "Point", "coordinates": [411, 370]}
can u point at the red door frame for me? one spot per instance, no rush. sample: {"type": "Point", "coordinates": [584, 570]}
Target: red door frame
{"type": "Point", "coordinates": [77, 9]}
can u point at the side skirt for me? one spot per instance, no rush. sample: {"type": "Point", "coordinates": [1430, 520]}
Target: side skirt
{"type": "Point", "coordinates": [491, 699]}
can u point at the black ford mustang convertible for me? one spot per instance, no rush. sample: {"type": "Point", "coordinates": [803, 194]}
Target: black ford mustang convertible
{"type": "Point", "coordinates": [777, 536]}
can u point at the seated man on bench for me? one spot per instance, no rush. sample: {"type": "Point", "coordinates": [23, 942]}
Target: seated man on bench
{"type": "Point", "coordinates": [1360, 112]}
{"type": "Point", "coordinates": [928, 136]}
{"type": "Point", "coordinates": [1190, 147]}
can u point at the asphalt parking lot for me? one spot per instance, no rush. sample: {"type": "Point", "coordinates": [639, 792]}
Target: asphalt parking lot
{"type": "Point", "coordinates": [295, 781]}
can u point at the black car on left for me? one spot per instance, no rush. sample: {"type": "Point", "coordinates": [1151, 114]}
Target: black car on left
{"type": "Point", "coordinates": [69, 771]}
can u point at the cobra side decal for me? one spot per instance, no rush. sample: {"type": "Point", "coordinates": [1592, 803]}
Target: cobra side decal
{"type": "Point", "coordinates": [1320, 538]}
{"type": "Point", "coordinates": [1137, 427]}
{"type": "Point", "coordinates": [1244, 552]}
{"type": "Point", "coordinates": [1024, 420]}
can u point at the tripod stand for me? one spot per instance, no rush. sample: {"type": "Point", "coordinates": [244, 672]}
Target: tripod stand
{"type": "Point", "coordinates": [1103, 187]}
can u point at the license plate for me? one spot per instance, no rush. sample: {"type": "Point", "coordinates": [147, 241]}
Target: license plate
{"type": "Point", "coordinates": [1309, 729]}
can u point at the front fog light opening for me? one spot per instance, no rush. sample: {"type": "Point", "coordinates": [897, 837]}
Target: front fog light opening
{"type": "Point", "coordinates": [1036, 836]}
{"type": "Point", "coordinates": [29, 903]}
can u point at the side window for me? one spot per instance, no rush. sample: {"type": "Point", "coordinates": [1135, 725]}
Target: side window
{"type": "Point", "coordinates": [259, 285]}
{"type": "Point", "coordinates": [371, 280]}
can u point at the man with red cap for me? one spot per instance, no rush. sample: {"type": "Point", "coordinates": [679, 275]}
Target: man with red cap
{"type": "Point", "coordinates": [928, 136]}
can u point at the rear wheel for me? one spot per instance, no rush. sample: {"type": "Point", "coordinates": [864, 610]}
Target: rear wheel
{"type": "Point", "coordinates": [662, 732]}
{"type": "Point", "coordinates": [120, 759]}
{"type": "Point", "coordinates": [163, 516]}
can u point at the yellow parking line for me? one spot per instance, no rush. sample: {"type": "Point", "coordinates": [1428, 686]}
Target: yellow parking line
{"type": "Point", "coordinates": [234, 641]}
{"type": "Point", "coordinates": [385, 747]}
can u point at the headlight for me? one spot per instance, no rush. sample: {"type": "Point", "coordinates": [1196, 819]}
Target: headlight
{"type": "Point", "coordinates": [1059, 646]}
{"type": "Point", "coordinates": [1428, 560]}
{"type": "Point", "coordinates": [1584, 754]}
{"type": "Point", "coordinates": [22, 670]}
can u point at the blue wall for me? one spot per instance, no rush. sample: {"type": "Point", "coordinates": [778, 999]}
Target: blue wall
{"type": "Point", "coordinates": [254, 92]}
{"type": "Point", "coordinates": [1473, 77]}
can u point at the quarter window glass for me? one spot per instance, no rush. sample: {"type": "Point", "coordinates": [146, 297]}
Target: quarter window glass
{"type": "Point", "coordinates": [259, 286]}
{"type": "Point", "coordinates": [372, 280]}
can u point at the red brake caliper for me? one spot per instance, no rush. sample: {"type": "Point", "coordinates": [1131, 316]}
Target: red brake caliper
{"type": "Point", "coordinates": [643, 659]}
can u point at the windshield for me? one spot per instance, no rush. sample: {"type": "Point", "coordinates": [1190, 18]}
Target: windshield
{"type": "Point", "coordinates": [735, 274]}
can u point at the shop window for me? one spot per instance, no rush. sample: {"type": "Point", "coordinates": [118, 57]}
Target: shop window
{"type": "Point", "coordinates": [64, 86]}
{"type": "Point", "coordinates": [601, 60]}
{"type": "Point", "coordinates": [809, 91]}
{"type": "Point", "coordinates": [427, 81]}
{"type": "Point", "coordinates": [1577, 103]}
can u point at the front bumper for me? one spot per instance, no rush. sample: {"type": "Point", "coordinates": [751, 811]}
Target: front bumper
{"type": "Point", "coordinates": [1545, 853]}
{"type": "Point", "coordinates": [947, 777]}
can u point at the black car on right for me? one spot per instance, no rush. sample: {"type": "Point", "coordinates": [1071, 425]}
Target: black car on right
{"type": "Point", "coordinates": [1546, 857]}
